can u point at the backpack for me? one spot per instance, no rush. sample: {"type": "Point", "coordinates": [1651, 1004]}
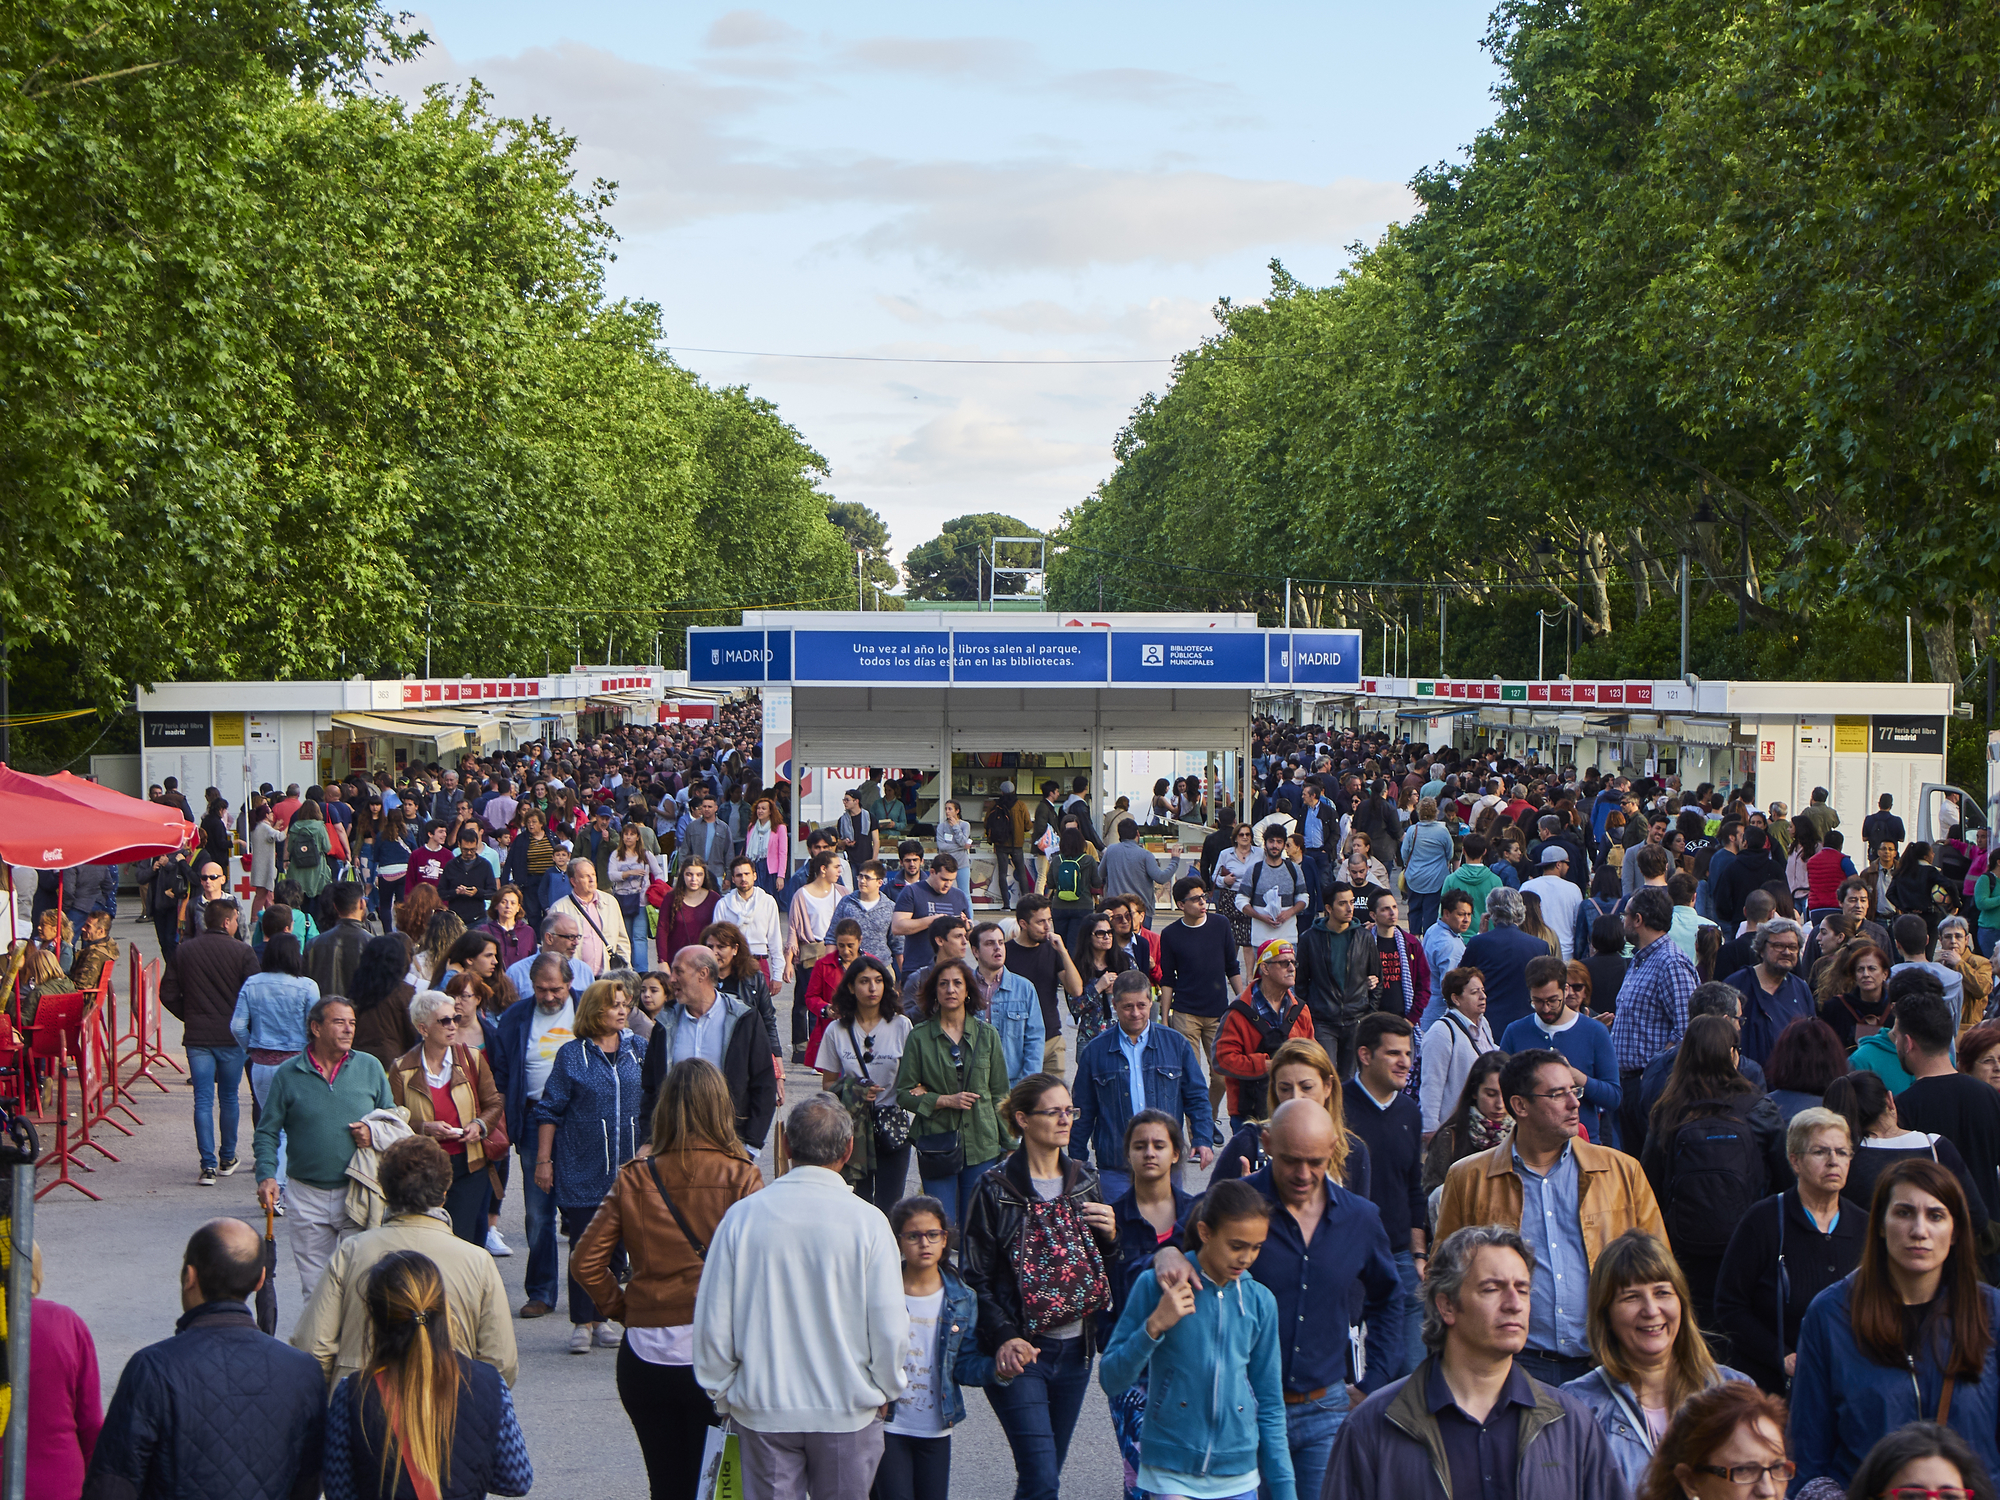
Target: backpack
{"type": "Point", "coordinates": [301, 850]}
{"type": "Point", "coordinates": [1253, 1094]}
{"type": "Point", "coordinates": [1000, 823]}
{"type": "Point", "coordinates": [1069, 880]}
{"type": "Point", "coordinates": [1291, 868]}
{"type": "Point", "coordinates": [1715, 1172]}
{"type": "Point", "coordinates": [1057, 1266]}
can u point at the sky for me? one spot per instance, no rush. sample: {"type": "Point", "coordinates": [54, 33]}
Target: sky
{"type": "Point", "coordinates": [1052, 184]}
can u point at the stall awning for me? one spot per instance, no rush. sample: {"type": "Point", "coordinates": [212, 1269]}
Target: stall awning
{"type": "Point", "coordinates": [1452, 711]}
{"type": "Point", "coordinates": [443, 736]}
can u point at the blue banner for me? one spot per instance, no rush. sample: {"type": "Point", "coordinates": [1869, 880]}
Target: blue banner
{"type": "Point", "coordinates": [1005, 658]}
{"type": "Point", "coordinates": [1278, 661]}
{"type": "Point", "coordinates": [778, 656]}
{"type": "Point", "coordinates": [725, 656]}
{"type": "Point", "coordinates": [890, 658]}
{"type": "Point", "coordinates": [1326, 658]}
{"type": "Point", "coordinates": [1170, 658]}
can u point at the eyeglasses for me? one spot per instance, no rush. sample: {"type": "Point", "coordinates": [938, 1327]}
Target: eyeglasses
{"type": "Point", "coordinates": [450, 1020]}
{"type": "Point", "coordinates": [1830, 1153]}
{"type": "Point", "coordinates": [1573, 1092]}
{"type": "Point", "coordinates": [1749, 1474]}
{"type": "Point", "coordinates": [1064, 1116]}
{"type": "Point", "coordinates": [923, 1236]}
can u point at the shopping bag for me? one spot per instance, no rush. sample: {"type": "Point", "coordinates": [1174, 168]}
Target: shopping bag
{"type": "Point", "coordinates": [781, 1152]}
{"type": "Point", "coordinates": [721, 1466]}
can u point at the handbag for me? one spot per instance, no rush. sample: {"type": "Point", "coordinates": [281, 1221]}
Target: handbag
{"type": "Point", "coordinates": [891, 1121]}
{"type": "Point", "coordinates": [700, 1250]}
{"type": "Point", "coordinates": [943, 1154]}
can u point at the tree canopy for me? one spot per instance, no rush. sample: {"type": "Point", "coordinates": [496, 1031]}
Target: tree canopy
{"type": "Point", "coordinates": [1716, 281]}
{"type": "Point", "coordinates": [293, 369]}
{"type": "Point", "coordinates": [953, 564]}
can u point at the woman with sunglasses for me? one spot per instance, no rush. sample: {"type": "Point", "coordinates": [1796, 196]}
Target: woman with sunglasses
{"type": "Point", "coordinates": [1099, 961]}
{"type": "Point", "coordinates": [449, 1092]}
{"type": "Point", "coordinates": [1907, 1338]}
{"type": "Point", "coordinates": [859, 1055]}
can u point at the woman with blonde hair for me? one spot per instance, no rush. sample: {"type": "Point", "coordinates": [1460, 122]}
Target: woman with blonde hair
{"type": "Point", "coordinates": [1300, 1069]}
{"type": "Point", "coordinates": [1651, 1356]}
{"type": "Point", "coordinates": [420, 1417]}
{"type": "Point", "coordinates": [661, 1213]}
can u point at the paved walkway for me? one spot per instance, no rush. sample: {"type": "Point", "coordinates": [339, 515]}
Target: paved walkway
{"type": "Point", "coordinates": [118, 1264]}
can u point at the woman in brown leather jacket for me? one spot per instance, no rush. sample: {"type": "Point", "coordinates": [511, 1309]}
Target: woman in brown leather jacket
{"type": "Point", "coordinates": [663, 1208]}
{"type": "Point", "coordinates": [450, 1094]}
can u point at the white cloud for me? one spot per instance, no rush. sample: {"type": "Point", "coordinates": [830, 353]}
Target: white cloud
{"type": "Point", "coordinates": [742, 29]}
{"type": "Point", "coordinates": [943, 57]}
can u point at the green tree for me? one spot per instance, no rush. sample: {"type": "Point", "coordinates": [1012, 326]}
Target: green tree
{"type": "Point", "coordinates": [953, 564]}
{"type": "Point", "coordinates": [868, 534]}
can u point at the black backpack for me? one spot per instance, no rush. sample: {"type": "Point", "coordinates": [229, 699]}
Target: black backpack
{"type": "Point", "coordinates": [1253, 1094]}
{"type": "Point", "coordinates": [1715, 1172]}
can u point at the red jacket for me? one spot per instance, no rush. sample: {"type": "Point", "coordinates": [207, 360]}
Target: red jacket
{"type": "Point", "coordinates": [820, 985]}
{"type": "Point", "coordinates": [1239, 1054]}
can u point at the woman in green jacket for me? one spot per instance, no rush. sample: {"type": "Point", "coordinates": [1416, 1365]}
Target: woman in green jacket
{"type": "Point", "coordinates": [953, 1079]}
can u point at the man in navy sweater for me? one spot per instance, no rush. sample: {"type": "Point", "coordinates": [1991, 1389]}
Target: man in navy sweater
{"type": "Point", "coordinates": [1390, 1123]}
{"type": "Point", "coordinates": [1198, 965]}
{"type": "Point", "coordinates": [1557, 1026]}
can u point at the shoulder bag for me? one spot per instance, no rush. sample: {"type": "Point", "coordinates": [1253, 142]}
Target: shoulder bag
{"type": "Point", "coordinates": [943, 1154]}
{"type": "Point", "coordinates": [700, 1249]}
{"type": "Point", "coordinates": [891, 1121]}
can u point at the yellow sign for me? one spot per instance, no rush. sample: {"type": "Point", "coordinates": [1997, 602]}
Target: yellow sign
{"type": "Point", "coordinates": [1850, 734]}
{"type": "Point", "coordinates": [228, 729]}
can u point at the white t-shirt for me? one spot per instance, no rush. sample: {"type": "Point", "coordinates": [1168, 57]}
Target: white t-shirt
{"type": "Point", "coordinates": [546, 1035]}
{"type": "Point", "coordinates": [1560, 903]}
{"type": "Point", "coordinates": [919, 1412]}
{"type": "Point", "coordinates": [837, 1055]}
{"type": "Point", "coordinates": [821, 910]}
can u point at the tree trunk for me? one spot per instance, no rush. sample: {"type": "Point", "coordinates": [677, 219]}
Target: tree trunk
{"type": "Point", "coordinates": [1593, 592]}
{"type": "Point", "coordinates": [1642, 580]}
{"type": "Point", "coordinates": [1941, 646]}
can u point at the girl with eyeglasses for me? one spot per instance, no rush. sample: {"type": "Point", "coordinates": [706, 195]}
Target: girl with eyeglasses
{"type": "Point", "coordinates": [1788, 1249]}
{"type": "Point", "coordinates": [858, 1058]}
{"type": "Point", "coordinates": [1710, 1115]}
{"type": "Point", "coordinates": [1922, 1461]}
{"type": "Point", "coordinates": [1907, 1338]}
{"type": "Point", "coordinates": [941, 1354]}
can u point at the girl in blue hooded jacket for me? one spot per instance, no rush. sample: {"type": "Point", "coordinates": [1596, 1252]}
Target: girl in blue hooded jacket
{"type": "Point", "coordinates": [1215, 1407]}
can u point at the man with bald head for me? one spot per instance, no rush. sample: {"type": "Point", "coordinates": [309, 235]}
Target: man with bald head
{"type": "Point", "coordinates": [1324, 1243]}
{"type": "Point", "coordinates": [221, 1408]}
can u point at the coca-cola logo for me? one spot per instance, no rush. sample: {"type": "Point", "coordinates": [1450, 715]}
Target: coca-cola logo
{"type": "Point", "coordinates": [52, 857]}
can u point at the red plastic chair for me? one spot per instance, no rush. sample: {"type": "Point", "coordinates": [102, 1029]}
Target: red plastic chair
{"type": "Point", "coordinates": [56, 1038]}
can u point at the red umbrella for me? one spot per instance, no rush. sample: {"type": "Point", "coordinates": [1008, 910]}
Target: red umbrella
{"type": "Point", "coordinates": [50, 822]}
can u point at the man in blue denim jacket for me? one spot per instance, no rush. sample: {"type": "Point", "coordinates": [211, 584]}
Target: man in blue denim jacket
{"type": "Point", "coordinates": [1133, 1066]}
{"type": "Point", "coordinates": [1012, 1007]}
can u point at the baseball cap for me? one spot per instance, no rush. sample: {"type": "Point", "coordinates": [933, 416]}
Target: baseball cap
{"type": "Point", "coordinates": [1277, 948]}
{"type": "Point", "coordinates": [1554, 854]}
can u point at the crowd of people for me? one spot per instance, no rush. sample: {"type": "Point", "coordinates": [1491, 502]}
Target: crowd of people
{"type": "Point", "coordinates": [1566, 1133]}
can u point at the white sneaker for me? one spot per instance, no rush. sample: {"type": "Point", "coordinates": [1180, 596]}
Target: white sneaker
{"type": "Point", "coordinates": [579, 1339]}
{"type": "Point", "coordinates": [608, 1334]}
{"type": "Point", "coordinates": [495, 1245]}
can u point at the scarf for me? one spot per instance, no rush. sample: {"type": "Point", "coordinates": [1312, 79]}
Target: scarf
{"type": "Point", "coordinates": [1482, 1134]}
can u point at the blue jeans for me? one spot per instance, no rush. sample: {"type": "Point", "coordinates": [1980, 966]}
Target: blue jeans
{"type": "Point", "coordinates": [540, 1208]}
{"type": "Point", "coordinates": [964, 877]}
{"type": "Point", "coordinates": [1985, 939]}
{"type": "Point", "coordinates": [1038, 1412]}
{"type": "Point", "coordinates": [955, 1193]}
{"type": "Point", "coordinates": [1310, 1429]}
{"type": "Point", "coordinates": [1423, 911]}
{"type": "Point", "coordinates": [217, 1075]}
{"type": "Point", "coordinates": [1411, 1354]}
{"type": "Point", "coordinates": [261, 1075]}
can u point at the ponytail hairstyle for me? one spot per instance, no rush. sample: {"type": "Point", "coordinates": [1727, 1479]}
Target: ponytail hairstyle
{"type": "Point", "coordinates": [1224, 1203]}
{"type": "Point", "coordinates": [418, 1374]}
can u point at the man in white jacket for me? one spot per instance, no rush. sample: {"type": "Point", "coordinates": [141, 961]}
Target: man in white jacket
{"type": "Point", "coordinates": [755, 914]}
{"type": "Point", "coordinates": [799, 1323]}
